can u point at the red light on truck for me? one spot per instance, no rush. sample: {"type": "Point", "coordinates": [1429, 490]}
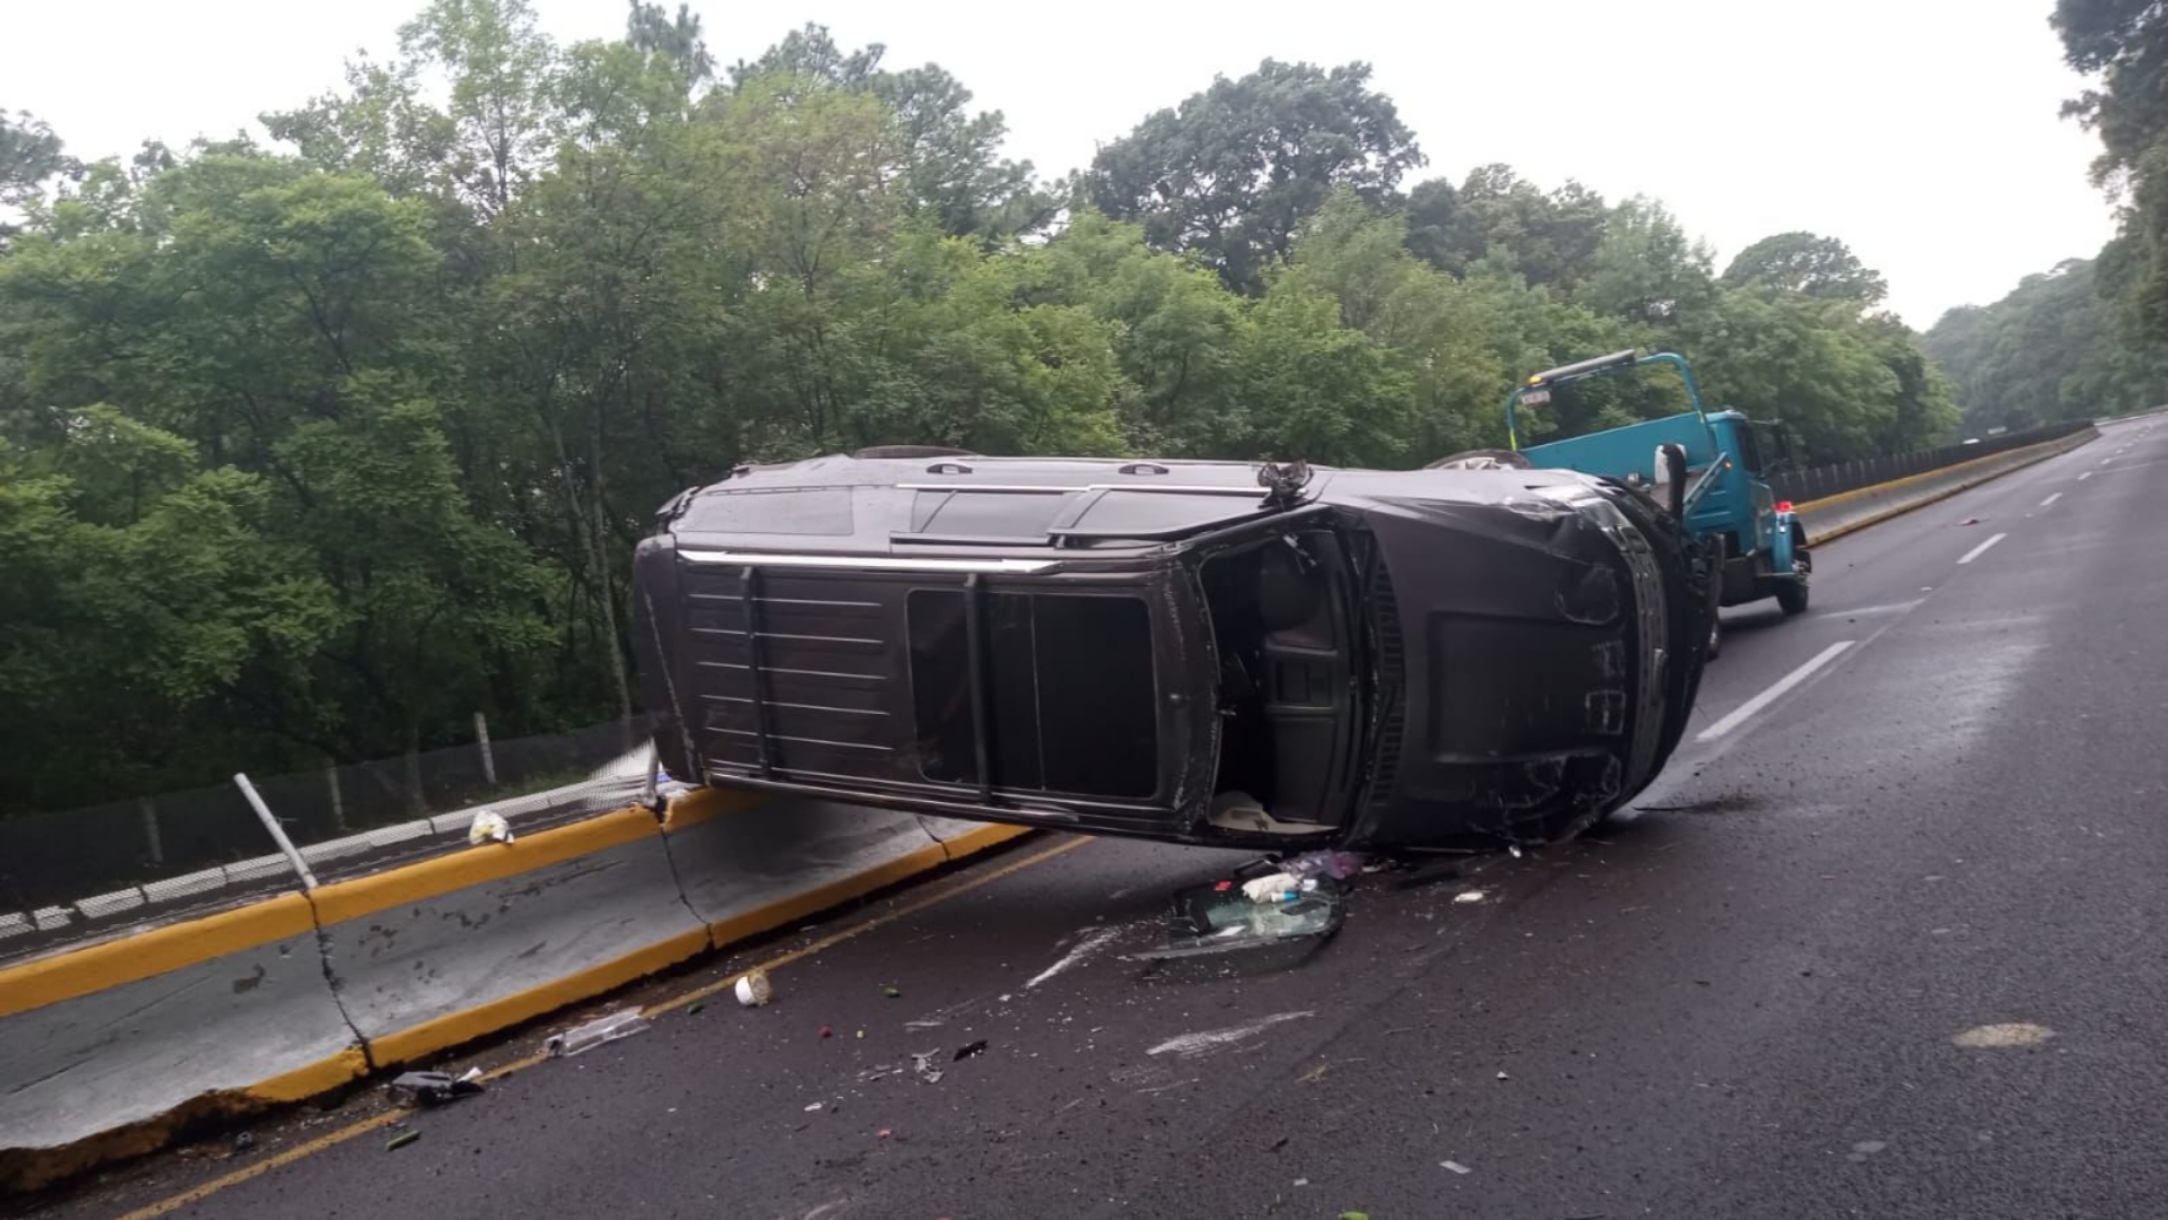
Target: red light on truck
{"type": "Point", "coordinates": [1784, 506]}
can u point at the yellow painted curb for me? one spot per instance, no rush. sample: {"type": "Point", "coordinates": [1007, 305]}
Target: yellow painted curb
{"type": "Point", "coordinates": [820, 898]}
{"type": "Point", "coordinates": [425, 879]}
{"type": "Point", "coordinates": [319, 1077]}
{"type": "Point", "coordinates": [972, 842]}
{"type": "Point", "coordinates": [1853, 527]}
{"type": "Point", "coordinates": [1910, 479]}
{"type": "Point", "coordinates": [707, 804]}
{"type": "Point", "coordinates": [112, 963]}
{"type": "Point", "coordinates": [466, 1025]}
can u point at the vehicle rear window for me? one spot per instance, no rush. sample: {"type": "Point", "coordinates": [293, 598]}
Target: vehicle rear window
{"type": "Point", "coordinates": [824, 511]}
{"type": "Point", "coordinates": [1070, 699]}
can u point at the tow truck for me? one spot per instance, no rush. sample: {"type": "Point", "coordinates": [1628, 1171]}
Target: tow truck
{"type": "Point", "coordinates": [1755, 541]}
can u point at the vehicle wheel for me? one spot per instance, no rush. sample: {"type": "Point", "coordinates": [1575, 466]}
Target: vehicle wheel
{"type": "Point", "coordinates": [1482, 459]}
{"type": "Point", "coordinates": [1792, 594]}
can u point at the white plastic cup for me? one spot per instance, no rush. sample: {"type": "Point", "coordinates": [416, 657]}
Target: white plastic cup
{"type": "Point", "coordinates": [754, 989]}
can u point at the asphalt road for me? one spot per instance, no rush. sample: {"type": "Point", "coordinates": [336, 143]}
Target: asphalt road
{"type": "Point", "coordinates": [1748, 997]}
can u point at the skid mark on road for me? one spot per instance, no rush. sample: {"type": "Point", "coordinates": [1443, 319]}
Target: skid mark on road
{"type": "Point", "coordinates": [1191, 1046]}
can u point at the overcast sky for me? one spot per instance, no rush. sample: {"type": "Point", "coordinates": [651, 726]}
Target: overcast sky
{"type": "Point", "coordinates": [1922, 132]}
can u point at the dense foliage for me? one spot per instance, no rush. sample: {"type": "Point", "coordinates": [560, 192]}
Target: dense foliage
{"type": "Point", "coordinates": [311, 450]}
{"type": "Point", "coordinates": [2049, 351]}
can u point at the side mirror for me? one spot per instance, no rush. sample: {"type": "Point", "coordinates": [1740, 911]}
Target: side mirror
{"type": "Point", "coordinates": [1671, 477]}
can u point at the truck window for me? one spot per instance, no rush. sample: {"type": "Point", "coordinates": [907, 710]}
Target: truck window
{"type": "Point", "coordinates": [1071, 699]}
{"type": "Point", "coordinates": [1749, 448]}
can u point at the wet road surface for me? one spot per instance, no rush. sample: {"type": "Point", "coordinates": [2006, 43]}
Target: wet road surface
{"type": "Point", "coordinates": [1889, 943]}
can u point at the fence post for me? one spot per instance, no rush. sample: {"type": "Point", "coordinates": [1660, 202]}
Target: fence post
{"type": "Point", "coordinates": [151, 841]}
{"type": "Point", "coordinates": [278, 832]}
{"type": "Point", "coordinates": [338, 799]}
{"type": "Point", "coordinates": [481, 740]}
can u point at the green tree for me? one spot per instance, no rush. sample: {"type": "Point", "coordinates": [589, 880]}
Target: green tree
{"type": "Point", "coordinates": [1232, 172]}
{"type": "Point", "coordinates": [1808, 264]}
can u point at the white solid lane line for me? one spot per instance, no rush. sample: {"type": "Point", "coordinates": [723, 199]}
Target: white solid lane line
{"type": "Point", "coordinates": [1740, 713]}
{"type": "Point", "coordinates": [2051, 499]}
{"type": "Point", "coordinates": [1981, 549]}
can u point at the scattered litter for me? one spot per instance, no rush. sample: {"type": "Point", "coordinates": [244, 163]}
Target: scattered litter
{"type": "Point", "coordinates": [471, 1076]}
{"type": "Point", "coordinates": [754, 989]}
{"type": "Point", "coordinates": [922, 1063]}
{"type": "Point", "coordinates": [1515, 848]}
{"type": "Point", "coordinates": [884, 1133]}
{"type": "Point", "coordinates": [828, 1031]}
{"type": "Point", "coordinates": [488, 826]}
{"type": "Point", "coordinates": [1273, 887]}
{"type": "Point", "coordinates": [861, 1035]}
{"type": "Point", "coordinates": [695, 1008]}
{"type": "Point", "coordinates": [244, 1140]}
{"type": "Point", "coordinates": [596, 1032]}
{"type": "Point", "coordinates": [1503, 1076]}
{"type": "Point", "coordinates": [1455, 1166]}
{"type": "Point", "coordinates": [1970, 521]}
{"type": "Point", "coordinates": [970, 1050]}
{"type": "Point", "coordinates": [401, 1140]}
{"type": "Point", "coordinates": [1469, 896]}
{"type": "Point", "coordinates": [1302, 1181]}
{"type": "Point", "coordinates": [1354, 1216]}
{"type": "Point", "coordinates": [892, 991]}
{"type": "Point", "coordinates": [814, 1108]}
{"type": "Point", "coordinates": [2021, 1033]}
{"type": "Point", "coordinates": [434, 1088]}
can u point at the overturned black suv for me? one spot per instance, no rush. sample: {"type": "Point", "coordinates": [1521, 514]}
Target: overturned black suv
{"type": "Point", "coordinates": [1200, 652]}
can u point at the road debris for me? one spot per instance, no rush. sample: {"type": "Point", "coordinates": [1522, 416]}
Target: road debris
{"type": "Point", "coordinates": [814, 1108]}
{"type": "Point", "coordinates": [244, 1140]}
{"type": "Point", "coordinates": [610, 1028]}
{"type": "Point", "coordinates": [1337, 865]}
{"type": "Point", "coordinates": [401, 1140]}
{"type": "Point", "coordinates": [754, 990]}
{"type": "Point", "coordinates": [892, 991]}
{"type": "Point", "coordinates": [922, 1063]}
{"type": "Point", "coordinates": [1216, 923]}
{"type": "Point", "coordinates": [1467, 896]}
{"type": "Point", "coordinates": [1273, 887]}
{"type": "Point", "coordinates": [2017, 1033]}
{"type": "Point", "coordinates": [970, 1050]}
{"type": "Point", "coordinates": [1503, 1076]}
{"type": "Point", "coordinates": [434, 1088]}
{"type": "Point", "coordinates": [488, 826]}
{"type": "Point", "coordinates": [1455, 1166]}
{"type": "Point", "coordinates": [828, 1031]}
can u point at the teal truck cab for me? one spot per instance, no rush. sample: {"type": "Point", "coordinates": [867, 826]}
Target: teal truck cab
{"type": "Point", "coordinates": [1760, 547]}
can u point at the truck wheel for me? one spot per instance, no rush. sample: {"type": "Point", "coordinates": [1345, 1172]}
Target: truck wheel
{"type": "Point", "coordinates": [1792, 594]}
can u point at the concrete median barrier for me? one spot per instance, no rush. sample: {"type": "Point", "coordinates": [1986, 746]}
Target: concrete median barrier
{"type": "Point", "coordinates": [1832, 517]}
{"type": "Point", "coordinates": [748, 866]}
{"type": "Point", "coordinates": [106, 1049]}
{"type": "Point", "coordinates": [448, 950]}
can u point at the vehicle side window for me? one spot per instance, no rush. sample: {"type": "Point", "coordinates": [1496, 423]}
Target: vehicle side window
{"type": "Point", "coordinates": [1071, 704]}
{"type": "Point", "coordinates": [1749, 449]}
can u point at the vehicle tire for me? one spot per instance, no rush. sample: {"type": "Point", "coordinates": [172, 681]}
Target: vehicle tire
{"type": "Point", "coordinates": [1482, 459]}
{"type": "Point", "coordinates": [1792, 594]}
{"type": "Point", "coordinates": [877, 452]}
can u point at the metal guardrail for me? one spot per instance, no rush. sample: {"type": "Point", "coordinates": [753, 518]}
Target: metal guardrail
{"type": "Point", "coordinates": [1802, 486]}
{"type": "Point", "coordinates": [73, 873]}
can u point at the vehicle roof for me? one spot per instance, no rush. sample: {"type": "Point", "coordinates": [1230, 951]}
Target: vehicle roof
{"type": "Point", "coordinates": [1033, 505]}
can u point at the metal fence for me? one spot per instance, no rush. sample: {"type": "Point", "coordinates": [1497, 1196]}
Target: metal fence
{"type": "Point", "coordinates": [50, 860]}
{"type": "Point", "coordinates": [1822, 481]}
